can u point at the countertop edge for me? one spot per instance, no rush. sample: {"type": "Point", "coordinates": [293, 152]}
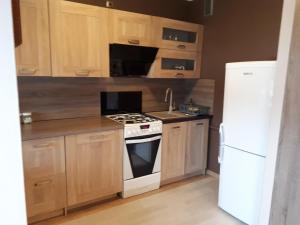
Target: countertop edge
{"type": "Point", "coordinates": [40, 130]}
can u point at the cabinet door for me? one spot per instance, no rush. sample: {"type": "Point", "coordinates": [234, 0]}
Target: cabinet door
{"type": "Point", "coordinates": [197, 142]}
{"type": "Point", "coordinates": [45, 180]}
{"type": "Point", "coordinates": [175, 64]}
{"type": "Point", "coordinates": [94, 165]}
{"type": "Point", "coordinates": [33, 55]}
{"type": "Point", "coordinates": [178, 35]}
{"type": "Point", "coordinates": [79, 39]}
{"type": "Point", "coordinates": [173, 150]}
{"type": "Point", "coordinates": [130, 28]}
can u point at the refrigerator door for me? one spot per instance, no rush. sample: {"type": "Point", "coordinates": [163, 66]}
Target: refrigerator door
{"type": "Point", "coordinates": [247, 105]}
{"type": "Point", "coordinates": [241, 179]}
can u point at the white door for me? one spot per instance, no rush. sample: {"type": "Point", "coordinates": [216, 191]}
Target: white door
{"type": "Point", "coordinates": [241, 179]}
{"type": "Point", "coordinates": [247, 105]}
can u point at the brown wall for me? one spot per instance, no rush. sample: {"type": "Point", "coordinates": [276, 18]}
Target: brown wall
{"type": "Point", "coordinates": [238, 31]}
{"type": "Point", "coordinates": [175, 9]}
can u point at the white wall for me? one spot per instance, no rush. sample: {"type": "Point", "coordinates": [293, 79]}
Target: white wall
{"type": "Point", "coordinates": [12, 200]}
{"type": "Point", "coordinates": [279, 90]}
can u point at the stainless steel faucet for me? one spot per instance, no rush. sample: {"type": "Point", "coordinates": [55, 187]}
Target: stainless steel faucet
{"type": "Point", "coordinates": [169, 90]}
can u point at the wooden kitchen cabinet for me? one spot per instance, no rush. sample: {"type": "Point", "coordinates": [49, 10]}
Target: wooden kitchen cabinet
{"type": "Point", "coordinates": [197, 143]}
{"type": "Point", "coordinates": [33, 55]}
{"type": "Point", "coordinates": [176, 64]}
{"type": "Point", "coordinates": [45, 178]}
{"type": "Point", "coordinates": [94, 165]}
{"type": "Point", "coordinates": [79, 39]}
{"type": "Point", "coordinates": [130, 28]}
{"type": "Point", "coordinates": [173, 151]}
{"type": "Point", "coordinates": [178, 35]}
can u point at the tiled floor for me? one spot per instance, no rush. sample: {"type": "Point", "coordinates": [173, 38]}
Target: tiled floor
{"type": "Point", "coordinates": [192, 202]}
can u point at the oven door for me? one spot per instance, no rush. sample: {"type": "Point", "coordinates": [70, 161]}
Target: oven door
{"type": "Point", "coordinates": [142, 156]}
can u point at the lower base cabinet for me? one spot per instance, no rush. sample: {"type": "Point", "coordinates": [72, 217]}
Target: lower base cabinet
{"type": "Point", "coordinates": [196, 149]}
{"type": "Point", "coordinates": [184, 151]}
{"type": "Point", "coordinates": [69, 171]}
{"type": "Point", "coordinates": [173, 150]}
{"type": "Point", "coordinates": [94, 166]}
{"type": "Point", "coordinates": [65, 172]}
{"type": "Point", "coordinates": [45, 177]}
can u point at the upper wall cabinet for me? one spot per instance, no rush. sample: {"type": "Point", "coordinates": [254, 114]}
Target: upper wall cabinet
{"type": "Point", "coordinates": [176, 64]}
{"type": "Point", "coordinates": [179, 35]}
{"type": "Point", "coordinates": [79, 39]}
{"type": "Point", "coordinates": [33, 55]}
{"type": "Point", "coordinates": [130, 28]}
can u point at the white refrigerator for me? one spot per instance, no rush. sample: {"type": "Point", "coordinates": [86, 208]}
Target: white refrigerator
{"type": "Point", "coordinates": [244, 136]}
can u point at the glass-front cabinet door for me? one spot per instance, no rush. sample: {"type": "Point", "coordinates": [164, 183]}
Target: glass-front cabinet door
{"type": "Point", "coordinates": [176, 64]}
{"type": "Point", "coordinates": [178, 35]}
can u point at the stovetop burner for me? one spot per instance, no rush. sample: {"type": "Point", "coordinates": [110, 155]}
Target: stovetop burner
{"type": "Point", "coordinates": [131, 118]}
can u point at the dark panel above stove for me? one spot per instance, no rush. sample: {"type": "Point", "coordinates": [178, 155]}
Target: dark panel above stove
{"type": "Point", "coordinates": [121, 102]}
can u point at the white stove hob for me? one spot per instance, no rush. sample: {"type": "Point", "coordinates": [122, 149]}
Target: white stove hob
{"type": "Point", "coordinates": [131, 118]}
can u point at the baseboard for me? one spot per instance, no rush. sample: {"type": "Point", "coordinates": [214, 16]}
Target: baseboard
{"type": "Point", "coordinates": [213, 174]}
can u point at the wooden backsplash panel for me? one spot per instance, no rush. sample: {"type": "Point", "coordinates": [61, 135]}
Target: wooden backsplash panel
{"type": "Point", "coordinates": [57, 98]}
{"type": "Point", "coordinates": [202, 92]}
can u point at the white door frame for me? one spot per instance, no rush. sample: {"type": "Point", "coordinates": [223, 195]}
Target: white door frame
{"type": "Point", "coordinates": [279, 92]}
{"type": "Point", "coordinates": [12, 197]}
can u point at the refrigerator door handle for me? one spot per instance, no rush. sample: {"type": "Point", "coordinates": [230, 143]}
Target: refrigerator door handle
{"type": "Point", "coordinates": [221, 144]}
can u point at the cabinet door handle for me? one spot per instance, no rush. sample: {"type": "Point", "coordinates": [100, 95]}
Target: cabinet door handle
{"type": "Point", "coordinates": [181, 46]}
{"type": "Point", "coordinates": [82, 73]}
{"type": "Point", "coordinates": [178, 127]}
{"type": "Point", "coordinates": [199, 124]}
{"type": "Point", "coordinates": [41, 183]}
{"type": "Point", "coordinates": [94, 138]}
{"type": "Point", "coordinates": [134, 42]}
{"type": "Point", "coordinates": [27, 71]}
{"type": "Point", "coordinates": [179, 75]}
{"type": "Point", "coordinates": [42, 145]}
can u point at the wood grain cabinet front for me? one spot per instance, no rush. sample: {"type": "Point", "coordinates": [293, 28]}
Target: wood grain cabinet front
{"type": "Point", "coordinates": [130, 28]}
{"type": "Point", "coordinates": [33, 55]}
{"type": "Point", "coordinates": [79, 39]}
{"type": "Point", "coordinates": [197, 143]}
{"type": "Point", "coordinates": [45, 178]}
{"type": "Point", "coordinates": [94, 166]}
{"type": "Point", "coordinates": [173, 151]}
{"type": "Point", "coordinates": [178, 35]}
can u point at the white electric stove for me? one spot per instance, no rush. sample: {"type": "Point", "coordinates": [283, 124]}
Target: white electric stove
{"type": "Point", "coordinates": [142, 153]}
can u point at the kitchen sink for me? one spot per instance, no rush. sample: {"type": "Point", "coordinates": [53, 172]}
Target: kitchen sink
{"type": "Point", "coordinates": [166, 115]}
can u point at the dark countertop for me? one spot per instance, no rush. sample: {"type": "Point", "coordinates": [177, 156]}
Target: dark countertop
{"type": "Point", "coordinates": [183, 119]}
{"type": "Point", "coordinates": [55, 128]}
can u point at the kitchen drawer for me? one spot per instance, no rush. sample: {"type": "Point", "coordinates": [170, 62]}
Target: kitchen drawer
{"type": "Point", "coordinates": [45, 194]}
{"type": "Point", "coordinates": [90, 138]}
{"type": "Point", "coordinates": [44, 157]}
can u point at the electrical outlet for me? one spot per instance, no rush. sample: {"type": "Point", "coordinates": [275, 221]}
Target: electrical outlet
{"type": "Point", "coordinates": [109, 4]}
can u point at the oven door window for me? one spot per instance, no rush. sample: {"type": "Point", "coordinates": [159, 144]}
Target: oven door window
{"type": "Point", "coordinates": [142, 157]}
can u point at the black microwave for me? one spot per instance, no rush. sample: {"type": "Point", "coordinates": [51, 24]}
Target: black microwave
{"type": "Point", "coordinates": [130, 61]}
